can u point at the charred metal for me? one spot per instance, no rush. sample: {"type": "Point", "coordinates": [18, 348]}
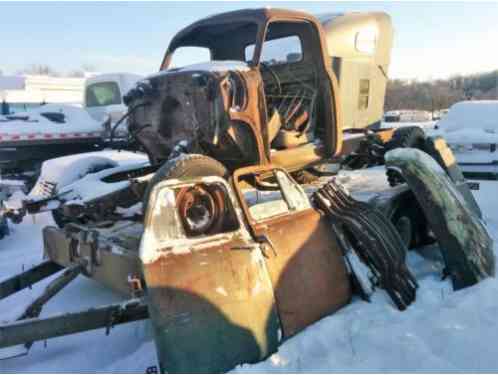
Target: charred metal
{"type": "Point", "coordinates": [230, 255]}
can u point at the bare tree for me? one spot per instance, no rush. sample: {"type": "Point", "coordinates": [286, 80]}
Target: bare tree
{"type": "Point", "coordinates": [441, 93]}
{"type": "Point", "coordinates": [40, 69]}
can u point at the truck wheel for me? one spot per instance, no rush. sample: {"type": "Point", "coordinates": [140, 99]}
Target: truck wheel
{"type": "Point", "coordinates": [191, 165]}
{"type": "Point", "coordinates": [406, 137]}
{"type": "Point", "coordinates": [410, 222]}
{"type": "Point", "coordinates": [405, 227]}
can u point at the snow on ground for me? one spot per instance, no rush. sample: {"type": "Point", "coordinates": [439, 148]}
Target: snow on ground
{"type": "Point", "coordinates": [128, 348]}
{"type": "Point", "coordinates": [442, 331]}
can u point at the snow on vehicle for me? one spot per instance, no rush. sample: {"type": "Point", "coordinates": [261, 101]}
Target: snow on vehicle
{"type": "Point", "coordinates": [45, 132]}
{"type": "Point", "coordinates": [76, 181]}
{"type": "Point", "coordinates": [215, 236]}
{"type": "Point", "coordinates": [53, 130]}
{"type": "Point", "coordinates": [471, 130]}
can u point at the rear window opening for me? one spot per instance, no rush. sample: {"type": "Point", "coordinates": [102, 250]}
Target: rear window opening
{"type": "Point", "coordinates": [184, 56]}
{"type": "Point", "coordinates": [278, 51]}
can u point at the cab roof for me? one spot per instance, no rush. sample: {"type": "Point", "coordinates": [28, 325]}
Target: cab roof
{"type": "Point", "coordinates": [232, 20]}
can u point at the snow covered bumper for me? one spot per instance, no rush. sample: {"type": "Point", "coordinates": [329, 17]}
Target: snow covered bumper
{"type": "Point", "coordinates": [477, 161]}
{"type": "Point", "coordinates": [478, 165]}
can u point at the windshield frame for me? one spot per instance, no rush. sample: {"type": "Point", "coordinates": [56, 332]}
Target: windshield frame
{"type": "Point", "coordinates": [182, 37]}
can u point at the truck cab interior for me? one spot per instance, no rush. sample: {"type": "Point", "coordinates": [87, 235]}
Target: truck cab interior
{"type": "Point", "coordinates": [296, 93]}
{"type": "Point", "coordinates": [291, 84]}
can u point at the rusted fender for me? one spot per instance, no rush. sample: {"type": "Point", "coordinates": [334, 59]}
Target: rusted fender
{"type": "Point", "coordinates": [465, 243]}
{"type": "Point", "coordinates": [439, 150]}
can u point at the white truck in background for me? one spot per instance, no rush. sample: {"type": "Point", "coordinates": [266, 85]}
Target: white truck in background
{"type": "Point", "coordinates": [471, 130]}
{"type": "Point", "coordinates": [104, 93]}
{"type": "Point", "coordinates": [53, 130]}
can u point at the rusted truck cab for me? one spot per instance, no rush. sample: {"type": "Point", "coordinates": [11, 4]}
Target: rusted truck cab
{"type": "Point", "coordinates": [270, 92]}
{"type": "Point", "coordinates": [225, 281]}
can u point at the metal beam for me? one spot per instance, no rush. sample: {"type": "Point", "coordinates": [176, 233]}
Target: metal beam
{"type": "Point", "coordinates": [29, 330]}
{"type": "Point", "coordinates": [55, 286]}
{"type": "Point", "coordinates": [27, 278]}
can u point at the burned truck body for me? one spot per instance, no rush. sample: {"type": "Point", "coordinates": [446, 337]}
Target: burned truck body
{"type": "Point", "coordinates": [269, 93]}
{"type": "Point", "coordinates": [226, 252]}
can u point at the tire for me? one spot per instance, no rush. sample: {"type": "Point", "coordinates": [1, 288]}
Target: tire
{"type": "Point", "coordinates": [190, 165]}
{"type": "Point", "coordinates": [406, 137]}
{"type": "Point", "coordinates": [410, 222]}
{"type": "Point", "coordinates": [405, 227]}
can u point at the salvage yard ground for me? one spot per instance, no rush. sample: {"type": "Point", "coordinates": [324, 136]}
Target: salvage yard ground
{"type": "Point", "coordinates": [442, 331]}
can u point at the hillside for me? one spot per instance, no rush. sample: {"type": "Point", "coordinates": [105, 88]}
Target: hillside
{"type": "Point", "coordinates": [441, 93]}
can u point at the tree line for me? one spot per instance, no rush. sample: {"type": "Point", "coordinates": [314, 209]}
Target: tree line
{"type": "Point", "coordinates": [47, 70]}
{"type": "Point", "coordinates": [400, 94]}
{"type": "Point", "coordinates": [440, 93]}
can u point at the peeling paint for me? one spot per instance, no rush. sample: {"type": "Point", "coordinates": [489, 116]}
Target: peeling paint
{"type": "Point", "coordinates": [163, 232]}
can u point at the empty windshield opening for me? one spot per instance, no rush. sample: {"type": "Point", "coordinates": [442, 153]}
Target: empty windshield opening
{"type": "Point", "coordinates": [220, 42]}
{"type": "Point", "coordinates": [184, 56]}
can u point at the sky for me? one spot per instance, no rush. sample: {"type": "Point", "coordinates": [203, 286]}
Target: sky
{"type": "Point", "coordinates": [431, 40]}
